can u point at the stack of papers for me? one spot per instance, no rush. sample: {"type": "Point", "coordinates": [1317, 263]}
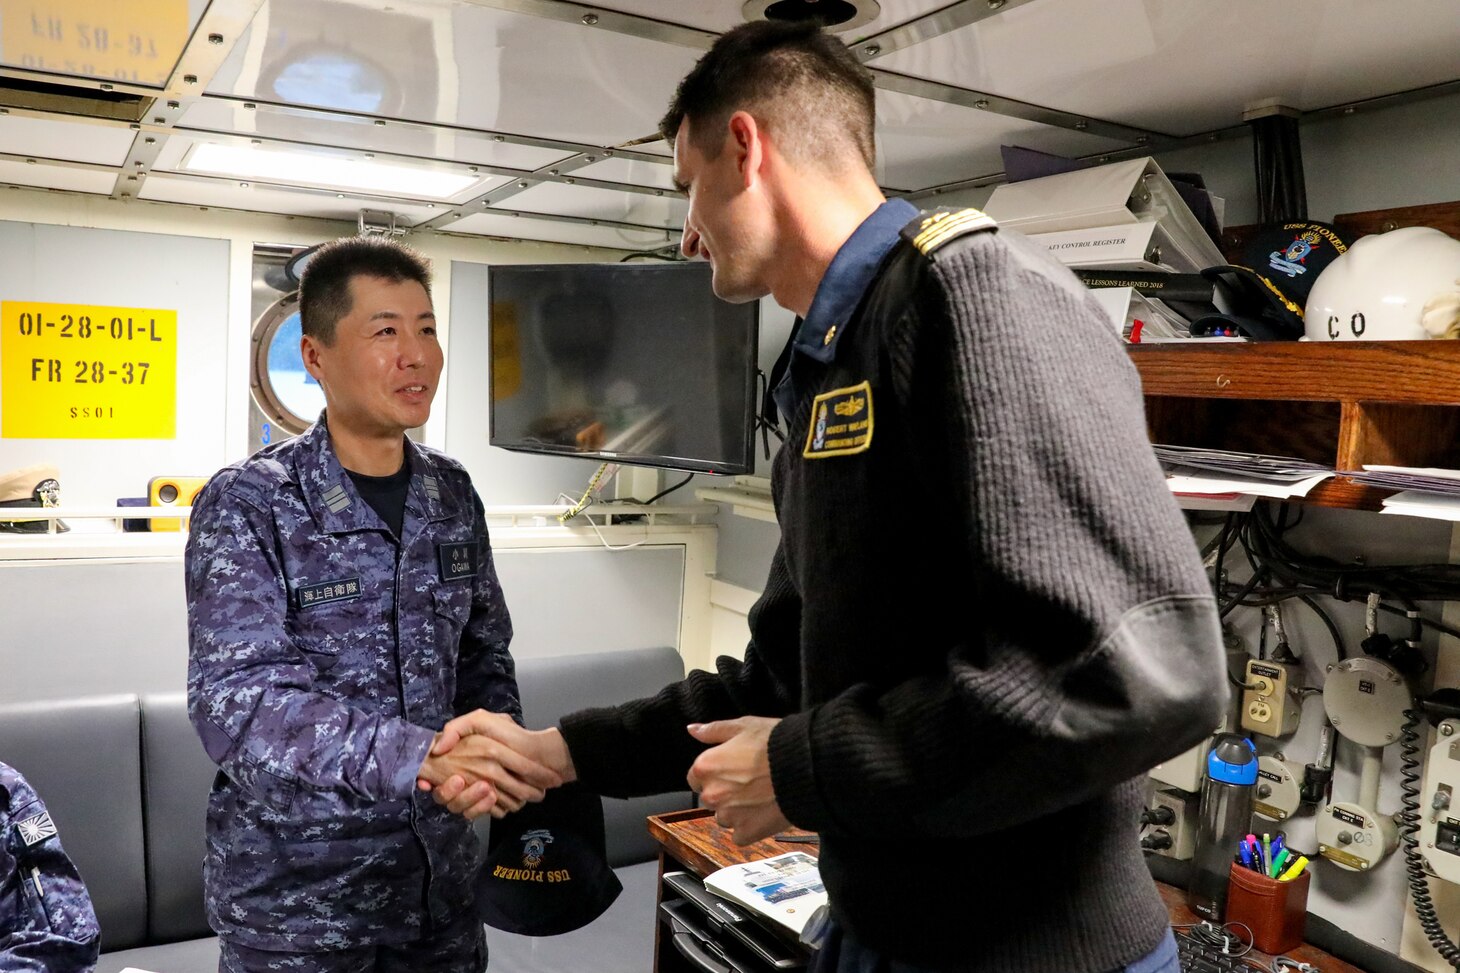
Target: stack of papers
{"type": "Point", "coordinates": [1426, 479]}
{"type": "Point", "coordinates": [1140, 318]}
{"type": "Point", "coordinates": [1236, 478]}
{"type": "Point", "coordinates": [1424, 491]}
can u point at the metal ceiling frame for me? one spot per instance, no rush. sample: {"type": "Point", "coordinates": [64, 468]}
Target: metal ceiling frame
{"type": "Point", "coordinates": [201, 58]}
{"type": "Point", "coordinates": [225, 21]}
{"type": "Point", "coordinates": [919, 29]}
{"type": "Point", "coordinates": [373, 200]}
{"type": "Point", "coordinates": [550, 172]}
{"type": "Point", "coordinates": [933, 24]}
{"type": "Point", "coordinates": [40, 160]}
{"type": "Point", "coordinates": [509, 138]}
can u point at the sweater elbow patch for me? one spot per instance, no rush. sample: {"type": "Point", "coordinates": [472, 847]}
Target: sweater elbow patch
{"type": "Point", "coordinates": [1158, 670]}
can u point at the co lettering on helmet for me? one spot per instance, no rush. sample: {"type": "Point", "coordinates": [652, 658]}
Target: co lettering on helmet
{"type": "Point", "coordinates": [1356, 325]}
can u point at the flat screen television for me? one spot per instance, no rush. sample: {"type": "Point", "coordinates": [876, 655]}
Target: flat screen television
{"type": "Point", "coordinates": [633, 363]}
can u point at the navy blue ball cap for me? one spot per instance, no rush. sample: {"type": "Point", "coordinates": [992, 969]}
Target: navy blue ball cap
{"type": "Point", "coordinates": [1267, 286]}
{"type": "Point", "coordinates": [546, 871]}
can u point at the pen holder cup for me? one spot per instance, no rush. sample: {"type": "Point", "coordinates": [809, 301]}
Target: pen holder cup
{"type": "Point", "coordinates": [1276, 912]}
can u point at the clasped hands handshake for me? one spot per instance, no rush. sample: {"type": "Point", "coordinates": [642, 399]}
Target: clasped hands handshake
{"type": "Point", "coordinates": [484, 763]}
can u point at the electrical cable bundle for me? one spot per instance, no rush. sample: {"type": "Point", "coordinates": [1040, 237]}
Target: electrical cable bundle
{"type": "Point", "coordinates": [1277, 156]}
{"type": "Point", "coordinates": [1281, 572]}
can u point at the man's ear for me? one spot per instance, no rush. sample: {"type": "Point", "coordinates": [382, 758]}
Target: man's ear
{"type": "Point", "coordinates": [747, 140]}
{"type": "Point", "coordinates": [310, 348]}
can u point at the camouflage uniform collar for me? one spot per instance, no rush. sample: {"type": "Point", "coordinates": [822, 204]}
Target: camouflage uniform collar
{"type": "Point", "coordinates": [338, 507]}
{"type": "Point", "coordinates": [428, 493]}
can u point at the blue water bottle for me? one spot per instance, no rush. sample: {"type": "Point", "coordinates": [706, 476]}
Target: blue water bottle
{"type": "Point", "coordinates": [1224, 819]}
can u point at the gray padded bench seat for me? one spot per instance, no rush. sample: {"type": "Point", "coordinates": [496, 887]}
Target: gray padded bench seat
{"type": "Point", "coordinates": [127, 783]}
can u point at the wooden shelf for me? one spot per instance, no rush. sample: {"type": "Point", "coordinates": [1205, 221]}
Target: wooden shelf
{"type": "Point", "coordinates": [1343, 404]}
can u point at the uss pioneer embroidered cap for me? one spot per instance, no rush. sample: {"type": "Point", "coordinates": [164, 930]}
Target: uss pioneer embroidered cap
{"type": "Point", "coordinates": [1268, 286]}
{"type": "Point", "coordinates": [30, 486]}
{"type": "Point", "coordinates": [547, 869]}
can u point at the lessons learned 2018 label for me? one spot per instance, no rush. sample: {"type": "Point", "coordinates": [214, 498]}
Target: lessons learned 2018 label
{"type": "Point", "coordinates": [82, 371]}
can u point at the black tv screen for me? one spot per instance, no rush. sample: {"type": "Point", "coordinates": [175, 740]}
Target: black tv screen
{"type": "Point", "coordinates": [632, 362]}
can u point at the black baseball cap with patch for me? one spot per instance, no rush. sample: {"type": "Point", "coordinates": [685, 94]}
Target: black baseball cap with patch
{"type": "Point", "coordinates": [546, 871]}
{"type": "Point", "coordinates": [1268, 287]}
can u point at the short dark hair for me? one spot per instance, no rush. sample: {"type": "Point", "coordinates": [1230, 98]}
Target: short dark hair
{"type": "Point", "coordinates": [795, 78]}
{"type": "Point", "coordinates": [324, 287]}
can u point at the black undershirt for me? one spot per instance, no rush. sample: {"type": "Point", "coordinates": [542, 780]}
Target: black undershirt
{"type": "Point", "coordinates": [386, 494]}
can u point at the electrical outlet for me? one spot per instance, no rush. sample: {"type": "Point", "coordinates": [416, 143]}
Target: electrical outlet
{"type": "Point", "coordinates": [1269, 707]}
{"type": "Point", "coordinates": [1181, 827]}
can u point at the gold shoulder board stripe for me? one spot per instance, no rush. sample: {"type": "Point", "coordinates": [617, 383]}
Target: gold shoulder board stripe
{"type": "Point", "coordinates": [942, 227]}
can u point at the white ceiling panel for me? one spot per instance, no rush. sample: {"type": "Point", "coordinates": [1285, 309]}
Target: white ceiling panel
{"type": "Point", "coordinates": [227, 194]}
{"type": "Point", "coordinates": [43, 176]}
{"type": "Point", "coordinates": [601, 204]}
{"type": "Point", "coordinates": [138, 41]}
{"type": "Point", "coordinates": [402, 138]}
{"type": "Point", "coordinates": [104, 145]}
{"type": "Point", "coordinates": [526, 228]}
{"type": "Point", "coordinates": [630, 171]}
{"type": "Point", "coordinates": [721, 15]}
{"type": "Point", "coordinates": [1182, 68]}
{"type": "Point", "coordinates": [922, 143]}
{"type": "Point", "coordinates": [456, 63]}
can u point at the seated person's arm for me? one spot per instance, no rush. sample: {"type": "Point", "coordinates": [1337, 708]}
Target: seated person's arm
{"type": "Point", "coordinates": [47, 924]}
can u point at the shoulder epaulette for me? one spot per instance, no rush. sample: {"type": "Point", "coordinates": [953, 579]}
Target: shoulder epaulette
{"type": "Point", "coordinates": [932, 230]}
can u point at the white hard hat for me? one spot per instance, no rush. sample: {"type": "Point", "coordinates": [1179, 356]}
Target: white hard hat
{"type": "Point", "coordinates": [1389, 287]}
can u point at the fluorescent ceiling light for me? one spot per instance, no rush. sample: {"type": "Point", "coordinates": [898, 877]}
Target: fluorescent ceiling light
{"type": "Point", "coordinates": [327, 171]}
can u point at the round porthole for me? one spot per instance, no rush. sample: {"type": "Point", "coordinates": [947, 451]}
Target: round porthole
{"type": "Point", "coordinates": [286, 393]}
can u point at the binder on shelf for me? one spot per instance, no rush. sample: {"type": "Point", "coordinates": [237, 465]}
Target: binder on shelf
{"type": "Point", "coordinates": [1134, 191]}
{"type": "Point", "coordinates": [1124, 246]}
{"type": "Point", "coordinates": [1152, 283]}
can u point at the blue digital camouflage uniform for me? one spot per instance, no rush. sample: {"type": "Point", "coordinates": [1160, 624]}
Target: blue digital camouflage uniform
{"type": "Point", "coordinates": [322, 658]}
{"type": "Point", "coordinates": [47, 924]}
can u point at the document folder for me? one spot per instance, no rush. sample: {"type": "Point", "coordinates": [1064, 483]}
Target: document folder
{"type": "Point", "coordinates": [1135, 191]}
{"type": "Point", "coordinates": [1124, 246]}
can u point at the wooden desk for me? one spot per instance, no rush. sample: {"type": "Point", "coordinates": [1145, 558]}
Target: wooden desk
{"type": "Point", "coordinates": [692, 841]}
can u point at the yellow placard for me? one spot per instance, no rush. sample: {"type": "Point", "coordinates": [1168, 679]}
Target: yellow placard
{"type": "Point", "coordinates": [129, 40]}
{"type": "Point", "coordinates": [80, 371]}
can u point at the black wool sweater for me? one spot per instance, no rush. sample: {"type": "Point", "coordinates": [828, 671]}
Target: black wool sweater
{"type": "Point", "coordinates": [986, 619]}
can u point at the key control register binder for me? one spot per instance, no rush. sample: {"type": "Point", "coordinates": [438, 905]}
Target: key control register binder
{"type": "Point", "coordinates": [721, 936]}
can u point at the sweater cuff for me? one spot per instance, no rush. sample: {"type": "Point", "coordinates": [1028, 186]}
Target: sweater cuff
{"type": "Point", "coordinates": [793, 775]}
{"type": "Point", "coordinates": [595, 745]}
{"type": "Point", "coordinates": [411, 744]}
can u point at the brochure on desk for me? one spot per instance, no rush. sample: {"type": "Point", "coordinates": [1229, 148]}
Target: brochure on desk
{"type": "Point", "coordinates": [786, 889]}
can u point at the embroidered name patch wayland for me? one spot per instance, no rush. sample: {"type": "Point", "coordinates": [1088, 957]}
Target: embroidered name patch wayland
{"type": "Point", "coordinates": [37, 829]}
{"type": "Point", "coordinates": [457, 560]}
{"type": "Point", "coordinates": [326, 592]}
{"type": "Point", "coordinates": [841, 422]}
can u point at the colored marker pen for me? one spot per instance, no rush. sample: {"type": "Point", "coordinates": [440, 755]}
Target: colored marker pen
{"type": "Point", "coordinates": [1294, 871]}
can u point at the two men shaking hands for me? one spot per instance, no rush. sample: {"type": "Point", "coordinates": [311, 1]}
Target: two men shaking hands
{"type": "Point", "coordinates": [484, 763]}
